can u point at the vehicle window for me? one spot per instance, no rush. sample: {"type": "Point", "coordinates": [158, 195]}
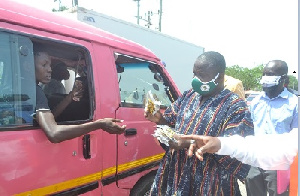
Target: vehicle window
{"type": "Point", "coordinates": [17, 97]}
{"type": "Point", "coordinates": [18, 82]}
{"type": "Point", "coordinates": [71, 68]}
{"type": "Point", "coordinates": [1, 71]}
{"type": "Point", "coordinates": [136, 78]}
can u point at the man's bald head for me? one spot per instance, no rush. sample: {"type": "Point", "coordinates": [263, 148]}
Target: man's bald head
{"type": "Point", "coordinates": [276, 68]}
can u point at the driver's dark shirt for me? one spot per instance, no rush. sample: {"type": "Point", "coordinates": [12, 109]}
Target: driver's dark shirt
{"type": "Point", "coordinates": [41, 99]}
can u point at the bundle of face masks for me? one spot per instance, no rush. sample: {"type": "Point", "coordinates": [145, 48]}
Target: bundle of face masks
{"type": "Point", "coordinates": [152, 105]}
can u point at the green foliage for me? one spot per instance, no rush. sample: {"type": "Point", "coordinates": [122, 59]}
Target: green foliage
{"type": "Point", "coordinates": [293, 83]}
{"type": "Point", "coordinates": [249, 77]}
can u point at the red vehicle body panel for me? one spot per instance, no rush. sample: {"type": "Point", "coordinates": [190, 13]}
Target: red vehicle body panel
{"type": "Point", "coordinates": [30, 164]}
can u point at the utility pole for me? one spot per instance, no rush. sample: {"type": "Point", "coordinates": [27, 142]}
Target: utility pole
{"type": "Point", "coordinates": [160, 14]}
{"type": "Point", "coordinates": [138, 11]}
{"type": "Point", "coordinates": [149, 19]}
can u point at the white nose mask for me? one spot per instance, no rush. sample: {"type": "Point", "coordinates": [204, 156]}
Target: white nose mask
{"type": "Point", "coordinates": [268, 81]}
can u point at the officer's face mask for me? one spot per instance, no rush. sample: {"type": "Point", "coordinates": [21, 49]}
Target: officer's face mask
{"type": "Point", "coordinates": [204, 88]}
{"type": "Point", "coordinates": [270, 83]}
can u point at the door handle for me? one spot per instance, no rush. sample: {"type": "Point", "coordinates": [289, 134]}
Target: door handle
{"type": "Point", "coordinates": [86, 145]}
{"type": "Point", "coordinates": [131, 131]}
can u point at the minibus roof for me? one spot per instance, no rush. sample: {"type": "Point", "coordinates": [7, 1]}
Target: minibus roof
{"type": "Point", "coordinates": [24, 15]}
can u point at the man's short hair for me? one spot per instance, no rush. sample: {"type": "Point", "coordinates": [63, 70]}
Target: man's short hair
{"type": "Point", "coordinates": [213, 59]}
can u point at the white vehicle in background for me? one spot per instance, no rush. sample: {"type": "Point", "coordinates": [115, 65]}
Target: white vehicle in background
{"type": "Point", "coordinates": [250, 95]}
{"type": "Point", "coordinates": [178, 55]}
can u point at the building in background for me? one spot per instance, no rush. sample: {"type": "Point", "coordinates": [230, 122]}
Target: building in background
{"type": "Point", "coordinates": [178, 55]}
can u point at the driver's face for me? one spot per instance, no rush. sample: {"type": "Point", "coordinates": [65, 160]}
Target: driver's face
{"type": "Point", "coordinates": [42, 67]}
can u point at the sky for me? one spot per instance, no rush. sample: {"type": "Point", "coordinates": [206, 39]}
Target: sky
{"type": "Point", "coordinates": [247, 32]}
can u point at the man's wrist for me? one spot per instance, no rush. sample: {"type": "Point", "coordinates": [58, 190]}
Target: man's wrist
{"type": "Point", "coordinates": [227, 145]}
{"type": "Point", "coordinates": [103, 124]}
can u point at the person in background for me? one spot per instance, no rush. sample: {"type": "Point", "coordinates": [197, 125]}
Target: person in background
{"type": "Point", "coordinates": [206, 109]}
{"type": "Point", "coordinates": [59, 73]}
{"type": "Point", "coordinates": [234, 85]}
{"type": "Point", "coordinates": [44, 117]}
{"type": "Point", "coordinates": [275, 111]}
{"type": "Point", "coordinates": [79, 107]}
{"type": "Point", "coordinates": [55, 89]}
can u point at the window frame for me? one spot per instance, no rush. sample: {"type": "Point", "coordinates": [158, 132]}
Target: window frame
{"type": "Point", "coordinates": [91, 88]}
{"type": "Point", "coordinates": [166, 83]}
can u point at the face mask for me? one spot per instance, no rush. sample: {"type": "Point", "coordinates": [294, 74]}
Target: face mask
{"type": "Point", "coordinates": [268, 81]}
{"type": "Point", "coordinates": [204, 88]}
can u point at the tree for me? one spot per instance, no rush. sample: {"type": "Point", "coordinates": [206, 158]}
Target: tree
{"type": "Point", "coordinates": [249, 77]}
{"type": "Point", "coordinates": [293, 82]}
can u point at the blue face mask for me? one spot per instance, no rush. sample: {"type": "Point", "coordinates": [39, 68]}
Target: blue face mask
{"type": "Point", "coordinates": [204, 88]}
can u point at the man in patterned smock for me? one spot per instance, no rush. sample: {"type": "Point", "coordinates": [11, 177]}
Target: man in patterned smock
{"type": "Point", "coordinates": [206, 109]}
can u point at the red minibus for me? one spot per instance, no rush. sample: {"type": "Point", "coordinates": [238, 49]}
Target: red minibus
{"type": "Point", "coordinates": [117, 73]}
